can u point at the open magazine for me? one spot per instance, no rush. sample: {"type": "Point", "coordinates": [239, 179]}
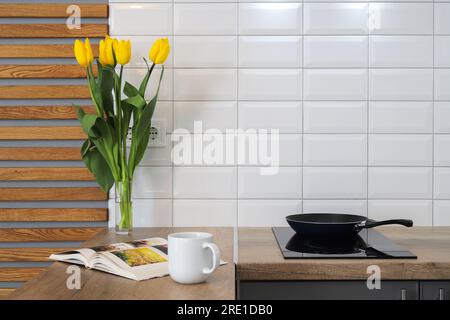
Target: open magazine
{"type": "Point", "coordinates": [136, 260]}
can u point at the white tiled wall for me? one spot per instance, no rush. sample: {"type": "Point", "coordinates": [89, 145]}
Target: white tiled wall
{"type": "Point", "coordinates": [360, 91]}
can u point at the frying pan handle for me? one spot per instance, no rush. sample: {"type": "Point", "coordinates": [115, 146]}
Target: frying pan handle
{"type": "Point", "coordinates": [371, 223]}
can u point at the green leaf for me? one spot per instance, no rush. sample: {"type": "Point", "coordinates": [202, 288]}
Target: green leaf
{"type": "Point", "coordinates": [137, 101]}
{"type": "Point", "coordinates": [106, 84]}
{"type": "Point", "coordinates": [96, 164]}
{"type": "Point", "coordinates": [144, 82]}
{"type": "Point", "coordinates": [130, 90]}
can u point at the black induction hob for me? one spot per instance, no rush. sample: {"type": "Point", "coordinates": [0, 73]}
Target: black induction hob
{"type": "Point", "coordinates": [369, 244]}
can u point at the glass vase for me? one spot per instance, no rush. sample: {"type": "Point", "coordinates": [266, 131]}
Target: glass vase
{"type": "Point", "coordinates": [124, 207]}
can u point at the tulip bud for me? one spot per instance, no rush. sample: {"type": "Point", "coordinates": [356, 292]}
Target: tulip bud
{"type": "Point", "coordinates": [122, 50]}
{"type": "Point", "coordinates": [160, 51]}
{"type": "Point", "coordinates": [83, 52]}
{"type": "Point", "coordinates": [105, 48]}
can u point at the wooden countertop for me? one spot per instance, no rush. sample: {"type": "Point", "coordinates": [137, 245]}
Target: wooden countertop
{"type": "Point", "coordinates": [98, 285]}
{"type": "Point", "coordinates": [261, 259]}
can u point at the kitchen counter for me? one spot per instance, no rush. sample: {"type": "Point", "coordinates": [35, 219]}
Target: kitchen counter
{"type": "Point", "coordinates": [260, 258]}
{"type": "Point", "coordinates": [99, 285]}
{"type": "Point", "coordinates": [263, 273]}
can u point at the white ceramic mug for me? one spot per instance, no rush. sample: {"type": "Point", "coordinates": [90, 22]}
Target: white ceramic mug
{"type": "Point", "coordinates": [192, 256]}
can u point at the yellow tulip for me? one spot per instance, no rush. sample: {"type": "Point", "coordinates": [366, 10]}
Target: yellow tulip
{"type": "Point", "coordinates": [105, 49]}
{"type": "Point", "coordinates": [83, 52]}
{"type": "Point", "coordinates": [122, 50]}
{"type": "Point", "coordinates": [160, 51]}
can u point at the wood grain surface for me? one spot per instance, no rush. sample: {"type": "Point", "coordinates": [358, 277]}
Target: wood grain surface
{"type": "Point", "coordinates": [28, 254]}
{"type": "Point", "coordinates": [52, 194]}
{"type": "Point", "coordinates": [19, 274]}
{"type": "Point", "coordinates": [52, 31]}
{"type": "Point", "coordinates": [260, 258]}
{"type": "Point", "coordinates": [52, 214]}
{"type": "Point", "coordinates": [42, 133]}
{"type": "Point", "coordinates": [40, 153]}
{"type": "Point", "coordinates": [43, 71]}
{"type": "Point", "coordinates": [47, 234]}
{"type": "Point", "coordinates": [5, 292]}
{"type": "Point", "coordinates": [40, 50]}
{"type": "Point", "coordinates": [99, 285]}
{"type": "Point", "coordinates": [51, 10]}
{"type": "Point", "coordinates": [45, 92]}
{"type": "Point", "coordinates": [41, 112]}
{"type": "Point", "coordinates": [46, 174]}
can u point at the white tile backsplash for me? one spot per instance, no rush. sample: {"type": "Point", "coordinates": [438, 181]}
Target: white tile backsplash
{"type": "Point", "coordinates": [279, 52]}
{"type": "Point", "coordinates": [270, 18]}
{"type": "Point", "coordinates": [401, 18]}
{"type": "Point", "coordinates": [128, 19]}
{"type": "Point", "coordinates": [205, 52]}
{"type": "Point", "coordinates": [400, 150]}
{"type": "Point", "coordinates": [335, 116]}
{"type": "Point", "coordinates": [401, 84]}
{"type": "Point", "coordinates": [336, 18]}
{"type": "Point", "coordinates": [284, 116]}
{"type": "Point", "coordinates": [359, 91]}
{"type": "Point", "coordinates": [285, 184]}
{"type": "Point", "coordinates": [334, 183]}
{"type": "Point", "coordinates": [400, 117]}
{"type": "Point", "coordinates": [441, 21]}
{"type": "Point", "coordinates": [401, 51]}
{"type": "Point", "coordinates": [335, 51]}
{"type": "Point", "coordinates": [442, 117]}
{"type": "Point", "coordinates": [334, 150]}
{"type": "Point", "coordinates": [442, 150]}
{"type": "Point", "coordinates": [400, 183]}
{"type": "Point", "coordinates": [204, 213]}
{"type": "Point", "coordinates": [442, 84]}
{"type": "Point", "coordinates": [335, 84]}
{"type": "Point", "coordinates": [204, 19]}
{"type": "Point", "coordinates": [270, 84]}
{"type": "Point", "coordinates": [205, 182]}
{"type": "Point", "coordinates": [420, 211]}
{"type": "Point", "coordinates": [262, 213]}
{"type": "Point", "coordinates": [205, 84]}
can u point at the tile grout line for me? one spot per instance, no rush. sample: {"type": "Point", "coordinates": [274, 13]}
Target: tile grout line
{"type": "Point", "coordinates": [173, 113]}
{"type": "Point", "coordinates": [237, 111]}
{"type": "Point", "coordinates": [432, 127]}
{"type": "Point", "coordinates": [367, 110]}
{"type": "Point", "coordinates": [302, 33]}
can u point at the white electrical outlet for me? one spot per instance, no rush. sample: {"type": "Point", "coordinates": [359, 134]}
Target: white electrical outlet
{"type": "Point", "coordinates": [157, 134]}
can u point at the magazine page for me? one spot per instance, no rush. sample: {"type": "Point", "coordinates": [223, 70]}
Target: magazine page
{"type": "Point", "coordinates": [79, 256]}
{"type": "Point", "coordinates": [144, 259]}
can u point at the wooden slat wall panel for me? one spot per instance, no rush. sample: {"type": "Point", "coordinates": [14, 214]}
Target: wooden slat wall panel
{"type": "Point", "coordinates": [41, 112]}
{"type": "Point", "coordinates": [44, 47]}
{"type": "Point", "coordinates": [45, 92]}
{"type": "Point", "coordinates": [47, 234]}
{"type": "Point", "coordinates": [51, 10]}
{"type": "Point", "coordinates": [19, 274]}
{"type": "Point", "coordinates": [42, 72]}
{"type": "Point", "coordinates": [52, 194]}
{"type": "Point", "coordinates": [45, 174]}
{"type": "Point", "coordinates": [39, 50]}
{"type": "Point", "coordinates": [42, 133]}
{"type": "Point", "coordinates": [40, 154]}
{"type": "Point", "coordinates": [51, 31]}
{"type": "Point", "coordinates": [29, 254]}
{"type": "Point", "coordinates": [53, 214]}
{"type": "Point", "coordinates": [4, 292]}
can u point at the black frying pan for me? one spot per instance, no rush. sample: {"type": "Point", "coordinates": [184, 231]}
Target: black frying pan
{"type": "Point", "coordinates": [333, 225]}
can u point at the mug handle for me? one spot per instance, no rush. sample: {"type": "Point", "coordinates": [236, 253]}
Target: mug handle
{"type": "Point", "coordinates": [215, 255]}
